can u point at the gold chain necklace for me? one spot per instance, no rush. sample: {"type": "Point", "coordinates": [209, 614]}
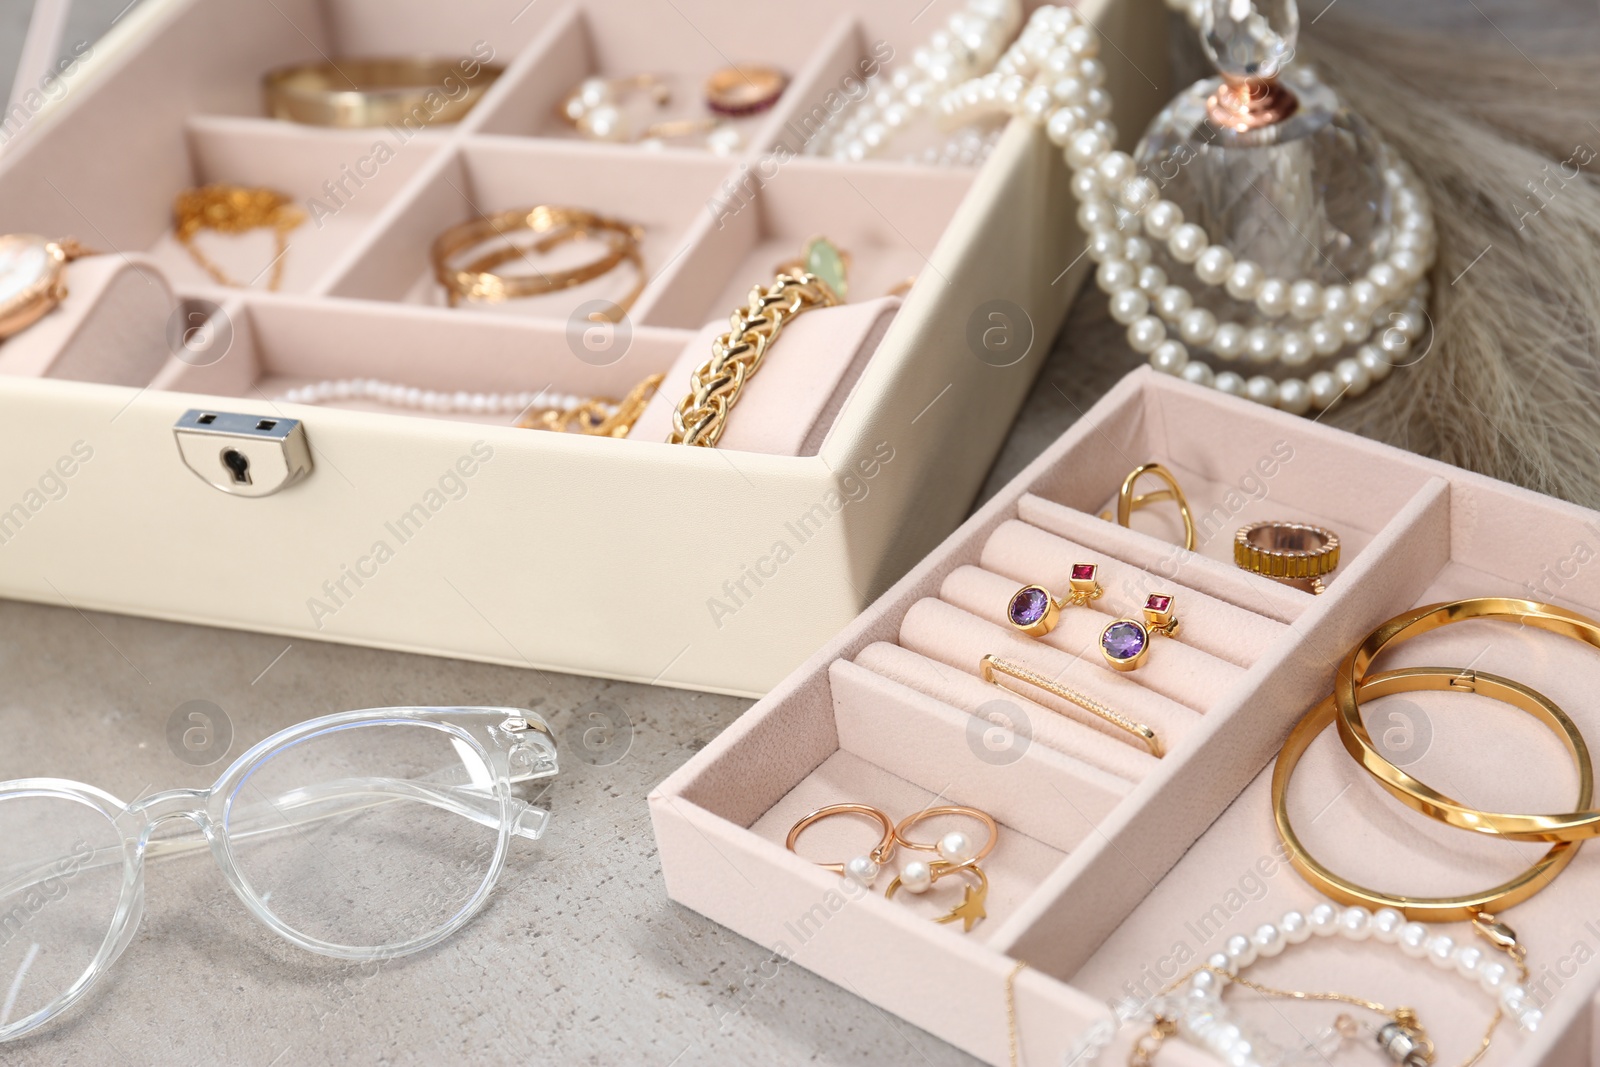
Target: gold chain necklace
{"type": "Point", "coordinates": [234, 209]}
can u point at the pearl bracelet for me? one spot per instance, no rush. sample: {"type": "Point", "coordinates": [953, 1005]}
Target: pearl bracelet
{"type": "Point", "coordinates": [967, 45]}
{"type": "Point", "coordinates": [1204, 1020]}
{"type": "Point", "coordinates": [409, 396]}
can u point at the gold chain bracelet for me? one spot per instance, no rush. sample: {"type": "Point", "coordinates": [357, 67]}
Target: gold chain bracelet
{"type": "Point", "coordinates": [736, 356]}
{"type": "Point", "coordinates": [234, 209]}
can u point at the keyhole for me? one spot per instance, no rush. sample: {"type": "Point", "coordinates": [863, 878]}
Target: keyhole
{"type": "Point", "coordinates": [238, 466]}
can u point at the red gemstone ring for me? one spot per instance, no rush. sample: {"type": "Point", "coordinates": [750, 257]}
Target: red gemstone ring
{"type": "Point", "coordinates": [745, 89]}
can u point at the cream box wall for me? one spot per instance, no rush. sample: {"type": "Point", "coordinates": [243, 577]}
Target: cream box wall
{"type": "Point", "coordinates": [1116, 872]}
{"type": "Point", "coordinates": [628, 559]}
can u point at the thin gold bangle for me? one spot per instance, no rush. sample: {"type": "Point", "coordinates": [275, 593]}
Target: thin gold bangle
{"type": "Point", "coordinates": [1570, 826]}
{"type": "Point", "coordinates": [1128, 503]}
{"type": "Point", "coordinates": [365, 93]}
{"type": "Point", "coordinates": [477, 279]}
{"type": "Point", "coordinates": [1466, 906]}
{"type": "Point", "coordinates": [992, 665]}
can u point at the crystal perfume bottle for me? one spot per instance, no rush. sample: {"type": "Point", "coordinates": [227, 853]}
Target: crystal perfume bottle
{"type": "Point", "coordinates": [1267, 158]}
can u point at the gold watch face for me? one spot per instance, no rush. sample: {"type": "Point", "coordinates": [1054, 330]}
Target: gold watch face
{"type": "Point", "coordinates": [30, 278]}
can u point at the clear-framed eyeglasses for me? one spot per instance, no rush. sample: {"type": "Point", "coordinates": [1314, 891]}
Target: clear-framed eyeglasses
{"type": "Point", "coordinates": [364, 835]}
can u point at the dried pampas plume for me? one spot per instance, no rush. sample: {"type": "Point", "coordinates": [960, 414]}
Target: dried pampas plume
{"type": "Point", "coordinates": [1510, 383]}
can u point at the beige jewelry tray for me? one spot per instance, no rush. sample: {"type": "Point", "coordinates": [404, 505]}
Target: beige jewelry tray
{"type": "Point", "coordinates": [859, 447]}
{"type": "Point", "coordinates": [1116, 873]}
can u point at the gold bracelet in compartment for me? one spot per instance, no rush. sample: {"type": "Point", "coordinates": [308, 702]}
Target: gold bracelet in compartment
{"type": "Point", "coordinates": [1578, 825]}
{"type": "Point", "coordinates": [366, 93]}
{"type": "Point", "coordinates": [234, 209]}
{"type": "Point", "coordinates": [1467, 906]}
{"type": "Point", "coordinates": [716, 385]}
{"type": "Point", "coordinates": [1287, 552]}
{"type": "Point", "coordinates": [477, 280]}
{"type": "Point", "coordinates": [992, 665]}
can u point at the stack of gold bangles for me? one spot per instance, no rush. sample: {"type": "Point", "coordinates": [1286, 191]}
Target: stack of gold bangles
{"type": "Point", "coordinates": [478, 279]}
{"type": "Point", "coordinates": [1564, 831]}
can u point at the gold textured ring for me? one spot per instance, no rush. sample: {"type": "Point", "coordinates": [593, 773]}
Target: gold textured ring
{"type": "Point", "coordinates": [1569, 826]}
{"type": "Point", "coordinates": [954, 847]}
{"type": "Point", "coordinates": [478, 279]}
{"type": "Point", "coordinates": [1287, 551]}
{"type": "Point", "coordinates": [862, 869]}
{"type": "Point", "coordinates": [364, 93]}
{"type": "Point", "coordinates": [1466, 906]}
{"type": "Point", "coordinates": [1128, 503]}
{"type": "Point", "coordinates": [745, 89]}
{"type": "Point", "coordinates": [992, 665]}
{"type": "Point", "coordinates": [1035, 612]}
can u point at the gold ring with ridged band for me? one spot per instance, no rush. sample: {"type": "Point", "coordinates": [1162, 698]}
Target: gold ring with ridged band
{"type": "Point", "coordinates": [1128, 503]}
{"type": "Point", "coordinates": [1466, 906]}
{"type": "Point", "coordinates": [1287, 551]}
{"type": "Point", "coordinates": [1568, 826]}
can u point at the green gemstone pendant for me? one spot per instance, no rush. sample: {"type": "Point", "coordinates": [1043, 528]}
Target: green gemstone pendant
{"type": "Point", "coordinates": [823, 258]}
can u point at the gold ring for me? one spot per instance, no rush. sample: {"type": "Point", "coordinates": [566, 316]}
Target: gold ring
{"type": "Point", "coordinates": [1035, 612]}
{"type": "Point", "coordinates": [1467, 906]}
{"type": "Point", "coordinates": [992, 665]}
{"type": "Point", "coordinates": [862, 869]}
{"type": "Point", "coordinates": [971, 908]}
{"type": "Point", "coordinates": [1126, 642]}
{"type": "Point", "coordinates": [952, 852]}
{"type": "Point", "coordinates": [1287, 551]}
{"type": "Point", "coordinates": [745, 89]}
{"type": "Point", "coordinates": [1570, 826]}
{"type": "Point", "coordinates": [478, 280]}
{"type": "Point", "coordinates": [1128, 503]}
{"type": "Point", "coordinates": [364, 93]}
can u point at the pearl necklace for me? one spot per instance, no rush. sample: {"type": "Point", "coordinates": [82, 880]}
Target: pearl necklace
{"type": "Point", "coordinates": [1205, 1021]}
{"type": "Point", "coordinates": [409, 396]}
{"type": "Point", "coordinates": [966, 46]}
{"type": "Point", "coordinates": [1052, 76]}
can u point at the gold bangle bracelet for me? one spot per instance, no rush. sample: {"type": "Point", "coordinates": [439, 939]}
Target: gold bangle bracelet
{"type": "Point", "coordinates": [1571, 826]}
{"type": "Point", "coordinates": [1466, 906]}
{"type": "Point", "coordinates": [364, 93]}
{"type": "Point", "coordinates": [716, 385]}
{"type": "Point", "coordinates": [992, 665]}
{"type": "Point", "coordinates": [1128, 503]}
{"type": "Point", "coordinates": [477, 279]}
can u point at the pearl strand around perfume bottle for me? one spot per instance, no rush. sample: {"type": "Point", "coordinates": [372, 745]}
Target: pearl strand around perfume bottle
{"type": "Point", "coordinates": [1052, 75]}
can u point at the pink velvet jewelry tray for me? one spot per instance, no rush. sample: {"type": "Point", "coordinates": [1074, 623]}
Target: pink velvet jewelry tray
{"type": "Point", "coordinates": [869, 430]}
{"type": "Point", "coordinates": [1116, 872]}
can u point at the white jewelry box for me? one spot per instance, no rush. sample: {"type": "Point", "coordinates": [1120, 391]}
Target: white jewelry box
{"type": "Point", "coordinates": [459, 535]}
{"type": "Point", "coordinates": [1116, 873]}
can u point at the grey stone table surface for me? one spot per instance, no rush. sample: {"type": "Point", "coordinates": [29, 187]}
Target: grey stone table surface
{"type": "Point", "coordinates": [578, 958]}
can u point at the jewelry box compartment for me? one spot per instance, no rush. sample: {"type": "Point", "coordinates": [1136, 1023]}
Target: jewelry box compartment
{"type": "Point", "coordinates": [895, 709]}
{"type": "Point", "coordinates": [873, 461]}
{"type": "Point", "coordinates": [1477, 538]}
